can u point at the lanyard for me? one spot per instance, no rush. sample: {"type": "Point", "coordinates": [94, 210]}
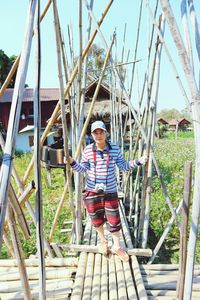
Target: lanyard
{"type": "Point", "coordinates": [95, 163]}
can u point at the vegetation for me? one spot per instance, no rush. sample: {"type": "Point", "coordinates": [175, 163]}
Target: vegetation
{"type": "Point", "coordinates": [169, 114]}
{"type": "Point", "coordinates": [171, 155]}
{"type": "Point", "coordinates": [5, 66]}
{"type": "Point", "coordinates": [51, 197]}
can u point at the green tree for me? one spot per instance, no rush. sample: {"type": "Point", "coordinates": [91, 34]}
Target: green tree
{"type": "Point", "coordinates": [169, 114]}
{"type": "Point", "coordinates": [5, 66]}
{"type": "Point", "coordinates": [96, 57]}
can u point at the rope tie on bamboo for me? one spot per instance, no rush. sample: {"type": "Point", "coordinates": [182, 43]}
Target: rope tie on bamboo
{"type": "Point", "coordinates": [7, 157]}
{"type": "Point", "coordinates": [195, 102]}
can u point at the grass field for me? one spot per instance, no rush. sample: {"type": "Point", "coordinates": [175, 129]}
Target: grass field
{"type": "Point", "coordinates": [171, 155]}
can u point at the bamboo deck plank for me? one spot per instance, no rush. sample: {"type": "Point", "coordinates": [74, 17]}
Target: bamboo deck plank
{"type": "Point", "coordinates": [104, 279]}
{"type": "Point", "coordinates": [138, 279]}
{"type": "Point", "coordinates": [96, 287]}
{"type": "Point", "coordinates": [88, 277]}
{"type": "Point", "coordinates": [169, 293]}
{"type": "Point", "coordinates": [112, 280]}
{"type": "Point", "coordinates": [12, 274]}
{"type": "Point", "coordinates": [49, 262]}
{"type": "Point", "coordinates": [52, 284]}
{"type": "Point", "coordinates": [80, 275]}
{"type": "Point", "coordinates": [121, 285]}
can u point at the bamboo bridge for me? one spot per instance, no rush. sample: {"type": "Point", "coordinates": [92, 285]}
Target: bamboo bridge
{"type": "Point", "coordinates": [84, 273]}
{"type": "Point", "coordinates": [94, 276]}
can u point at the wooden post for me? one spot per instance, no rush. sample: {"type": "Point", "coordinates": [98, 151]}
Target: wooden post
{"type": "Point", "coordinates": [183, 232]}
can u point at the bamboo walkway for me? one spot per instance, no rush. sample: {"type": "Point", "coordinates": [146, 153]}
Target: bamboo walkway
{"type": "Point", "coordinates": [98, 277]}
{"type": "Point", "coordinates": [93, 276]}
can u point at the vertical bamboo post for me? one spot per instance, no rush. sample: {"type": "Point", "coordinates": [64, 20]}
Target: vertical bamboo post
{"type": "Point", "coordinates": [155, 89]}
{"type": "Point", "coordinates": [37, 160]}
{"type": "Point", "coordinates": [78, 176]}
{"type": "Point", "coordinates": [18, 253]}
{"type": "Point", "coordinates": [13, 124]}
{"type": "Point", "coordinates": [183, 232]}
{"type": "Point", "coordinates": [195, 101]}
{"type": "Point", "coordinates": [62, 106]}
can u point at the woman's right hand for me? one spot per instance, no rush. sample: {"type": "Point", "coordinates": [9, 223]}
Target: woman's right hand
{"type": "Point", "coordinates": [68, 160]}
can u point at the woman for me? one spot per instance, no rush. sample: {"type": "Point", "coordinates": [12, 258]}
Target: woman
{"type": "Point", "coordinates": [101, 200]}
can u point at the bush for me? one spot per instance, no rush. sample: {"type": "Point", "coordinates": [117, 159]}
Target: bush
{"type": "Point", "coordinates": [172, 156]}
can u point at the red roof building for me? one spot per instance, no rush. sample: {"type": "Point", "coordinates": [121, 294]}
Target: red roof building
{"type": "Point", "coordinates": [48, 97]}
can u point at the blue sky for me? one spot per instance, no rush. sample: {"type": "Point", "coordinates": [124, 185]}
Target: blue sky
{"type": "Point", "coordinates": [12, 28]}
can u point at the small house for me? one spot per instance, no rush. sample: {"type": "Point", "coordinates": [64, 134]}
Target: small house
{"type": "Point", "coordinates": [25, 139]}
{"type": "Point", "coordinates": [179, 124]}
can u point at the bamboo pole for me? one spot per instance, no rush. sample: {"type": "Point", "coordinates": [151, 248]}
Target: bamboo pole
{"type": "Point", "coordinates": [8, 244]}
{"type": "Point", "coordinates": [96, 287]}
{"type": "Point", "coordinates": [14, 172]}
{"type": "Point", "coordinates": [155, 162]}
{"type": "Point", "coordinates": [195, 25]}
{"type": "Point", "coordinates": [54, 287]}
{"type": "Point", "coordinates": [16, 63]}
{"type": "Point", "coordinates": [95, 249]}
{"type": "Point", "coordinates": [25, 194]}
{"type": "Point", "coordinates": [94, 99]}
{"type": "Point", "coordinates": [85, 125]}
{"type": "Point", "coordinates": [186, 31]}
{"type": "Point", "coordinates": [13, 274]}
{"type": "Point", "coordinates": [49, 262]}
{"type": "Point", "coordinates": [150, 165]}
{"type": "Point", "coordinates": [60, 205]}
{"type": "Point", "coordinates": [168, 55]}
{"type": "Point", "coordinates": [63, 115]}
{"type": "Point", "coordinates": [18, 253]}
{"type": "Point", "coordinates": [183, 232]}
{"type": "Point", "coordinates": [195, 100]}
{"type": "Point", "coordinates": [162, 238]}
{"type": "Point", "coordinates": [19, 213]}
{"type": "Point", "coordinates": [155, 89]}
{"type": "Point", "coordinates": [69, 84]}
{"type": "Point", "coordinates": [82, 91]}
{"type": "Point", "coordinates": [87, 290]}
{"type": "Point", "coordinates": [82, 264]}
{"type": "Point", "coordinates": [112, 279]}
{"type": "Point", "coordinates": [37, 159]}
{"type": "Point", "coordinates": [136, 47]}
{"type": "Point", "coordinates": [138, 279]}
{"type": "Point", "coordinates": [13, 124]}
{"type": "Point", "coordinates": [78, 176]}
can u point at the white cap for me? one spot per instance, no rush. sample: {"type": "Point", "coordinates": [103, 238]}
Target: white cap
{"type": "Point", "coordinates": [98, 125]}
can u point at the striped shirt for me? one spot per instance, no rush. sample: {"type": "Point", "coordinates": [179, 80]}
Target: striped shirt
{"type": "Point", "coordinates": [100, 168]}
